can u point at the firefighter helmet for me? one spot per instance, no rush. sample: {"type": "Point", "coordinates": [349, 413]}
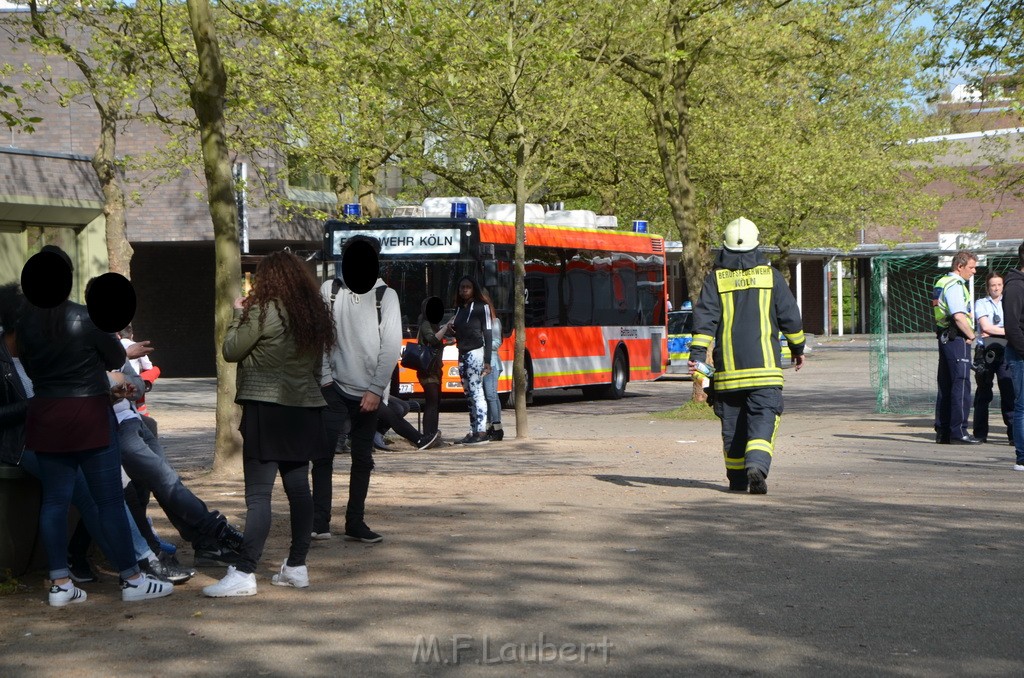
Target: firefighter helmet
{"type": "Point", "coordinates": [741, 235]}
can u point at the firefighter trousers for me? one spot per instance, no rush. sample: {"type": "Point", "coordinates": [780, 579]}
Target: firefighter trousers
{"type": "Point", "coordinates": [750, 420]}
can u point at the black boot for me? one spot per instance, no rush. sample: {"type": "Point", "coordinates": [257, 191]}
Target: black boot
{"type": "Point", "coordinates": [737, 480]}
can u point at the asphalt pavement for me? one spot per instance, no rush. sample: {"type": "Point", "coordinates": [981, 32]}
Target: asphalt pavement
{"type": "Point", "coordinates": [606, 543]}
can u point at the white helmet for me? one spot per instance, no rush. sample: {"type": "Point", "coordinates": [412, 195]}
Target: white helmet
{"type": "Point", "coordinates": [741, 235]}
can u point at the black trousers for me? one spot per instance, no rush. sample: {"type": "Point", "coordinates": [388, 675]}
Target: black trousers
{"type": "Point", "coordinates": [750, 420]}
{"type": "Point", "coordinates": [953, 401]}
{"type": "Point", "coordinates": [342, 414]}
{"type": "Point", "coordinates": [431, 407]}
{"type": "Point", "coordinates": [389, 417]}
{"type": "Point", "coordinates": [259, 486]}
{"type": "Point", "coordinates": [983, 398]}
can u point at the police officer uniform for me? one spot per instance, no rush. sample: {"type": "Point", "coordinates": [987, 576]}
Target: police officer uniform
{"type": "Point", "coordinates": [743, 305]}
{"type": "Point", "coordinates": [987, 372]}
{"type": "Point", "coordinates": [950, 296]}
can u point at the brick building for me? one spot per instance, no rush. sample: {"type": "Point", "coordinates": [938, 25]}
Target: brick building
{"type": "Point", "coordinates": [49, 194]}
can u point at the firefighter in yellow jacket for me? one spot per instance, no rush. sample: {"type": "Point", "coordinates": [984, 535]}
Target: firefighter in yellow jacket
{"type": "Point", "coordinates": [743, 305]}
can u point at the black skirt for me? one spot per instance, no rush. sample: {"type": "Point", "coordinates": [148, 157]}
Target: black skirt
{"type": "Point", "coordinates": [272, 432]}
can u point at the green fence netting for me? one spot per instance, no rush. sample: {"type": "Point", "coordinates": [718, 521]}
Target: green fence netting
{"type": "Point", "coordinates": [904, 355]}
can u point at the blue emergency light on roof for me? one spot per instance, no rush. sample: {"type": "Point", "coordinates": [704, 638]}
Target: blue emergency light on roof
{"type": "Point", "coordinates": [459, 210]}
{"type": "Point", "coordinates": [352, 209]}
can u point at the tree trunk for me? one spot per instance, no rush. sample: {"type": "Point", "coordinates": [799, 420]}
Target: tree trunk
{"type": "Point", "coordinates": [104, 163]}
{"type": "Point", "coordinates": [207, 94]}
{"type": "Point", "coordinates": [670, 119]}
{"type": "Point", "coordinates": [519, 376]}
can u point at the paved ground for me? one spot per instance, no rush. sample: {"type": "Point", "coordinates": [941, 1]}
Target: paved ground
{"type": "Point", "coordinates": [875, 552]}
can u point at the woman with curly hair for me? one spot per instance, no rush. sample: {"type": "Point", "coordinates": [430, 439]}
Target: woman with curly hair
{"type": "Point", "coordinates": [278, 335]}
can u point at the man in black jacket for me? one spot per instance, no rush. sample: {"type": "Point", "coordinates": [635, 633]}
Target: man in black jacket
{"type": "Point", "coordinates": [1013, 323]}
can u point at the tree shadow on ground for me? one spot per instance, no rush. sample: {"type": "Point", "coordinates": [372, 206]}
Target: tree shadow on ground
{"type": "Point", "coordinates": [688, 582]}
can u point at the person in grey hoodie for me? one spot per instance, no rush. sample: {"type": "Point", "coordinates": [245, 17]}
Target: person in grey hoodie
{"type": "Point", "coordinates": [1013, 323]}
{"type": "Point", "coordinates": [357, 375]}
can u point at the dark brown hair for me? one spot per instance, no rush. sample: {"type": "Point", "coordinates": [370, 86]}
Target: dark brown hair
{"type": "Point", "coordinates": [962, 257]}
{"type": "Point", "coordinates": [282, 278]}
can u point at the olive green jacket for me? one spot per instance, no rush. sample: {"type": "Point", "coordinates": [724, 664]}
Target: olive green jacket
{"type": "Point", "coordinates": [271, 369]}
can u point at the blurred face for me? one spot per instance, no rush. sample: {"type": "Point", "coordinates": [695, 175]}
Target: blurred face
{"type": "Point", "coordinates": [995, 288]}
{"type": "Point", "coordinates": [967, 270]}
{"type": "Point", "coordinates": [465, 290]}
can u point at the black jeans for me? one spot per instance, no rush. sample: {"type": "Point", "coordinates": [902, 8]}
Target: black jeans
{"type": "Point", "coordinates": [431, 407]}
{"type": "Point", "coordinates": [388, 417]}
{"type": "Point", "coordinates": [343, 411]}
{"type": "Point", "coordinates": [259, 485]}
{"type": "Point", "coordinates": [983, 398]}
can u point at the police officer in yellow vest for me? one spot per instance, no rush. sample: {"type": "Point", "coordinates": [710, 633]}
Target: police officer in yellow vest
{"type": "Point", "coordinates": [954, 327]}
{"type": "Point", "coordinates": [743, 305]}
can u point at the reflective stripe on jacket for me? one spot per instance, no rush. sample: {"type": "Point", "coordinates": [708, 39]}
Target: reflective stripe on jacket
{"type": "Point", "coordinates": [940, 308]}
{"type": "Point", "coordinates": [743, 305]}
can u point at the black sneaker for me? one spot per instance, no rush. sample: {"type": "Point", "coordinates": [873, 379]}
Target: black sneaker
{"type": "Point", "coordinates": [756, 481]}
{"type": "Point", "coordinates": [220, 556]}
{"type": "Point", "coordinates": [467, 439]}
{"type": "Point", "coordinates": [477, 439]}
{"type": "Point", "coordinates": [81, 573]}
{"type": "Point", "coordinates": [168, 568]}
{"type": "Point", "coordinates": [496, 434]}
{"type": "Point", "coordinates": [362, 533]}
{"type": "Point", "coordinates": [231, 537]}
{"type": "Point", "coordinates": [426, 442]}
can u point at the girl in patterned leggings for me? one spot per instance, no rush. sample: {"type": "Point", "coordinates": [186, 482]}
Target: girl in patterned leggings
{"type": "Point", "coordinates": [471, 326]}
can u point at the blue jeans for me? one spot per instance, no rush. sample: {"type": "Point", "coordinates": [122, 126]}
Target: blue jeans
{"type": "Point", "coordinates": [102, 471]}
{"type": "Point", "coordinates": [82, 500]}
{"type": "Point", "coordinates": [144, 462]}
{"type": "Point", "coordinates": [491, 392]}
{"type": "Point", "coordinates": [1015, 363]}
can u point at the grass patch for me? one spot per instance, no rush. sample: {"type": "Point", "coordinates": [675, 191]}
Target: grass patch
{"type": "Point", "coordinates": [690, 410]}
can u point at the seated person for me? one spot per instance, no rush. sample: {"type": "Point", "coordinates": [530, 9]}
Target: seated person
{"type": "Point", "coordinates": [215, 542]}
{"type": "Point", "coordinates": [391, 415]}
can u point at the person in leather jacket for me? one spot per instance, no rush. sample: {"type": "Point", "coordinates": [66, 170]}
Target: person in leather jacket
{"type": "Point", "coordinates": [70, 426]}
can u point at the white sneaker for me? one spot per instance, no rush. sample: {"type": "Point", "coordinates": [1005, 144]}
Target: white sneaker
{"type": "Point", "coordinates": [297, 576]}
{"type": "Point", "coordinates": [145, 588]}
{"type": "Point", "coordinates": [321, 536]}
{"type": "Point", "coordinates": [1018, 467]}
{"type": "Point", "coordinates": [235, 583]}
{"type": "Point", "coordinates": [60, 597]}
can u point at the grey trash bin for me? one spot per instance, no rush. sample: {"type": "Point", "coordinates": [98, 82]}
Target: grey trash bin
{"type": "Point", "coordinates": [20, 497]}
